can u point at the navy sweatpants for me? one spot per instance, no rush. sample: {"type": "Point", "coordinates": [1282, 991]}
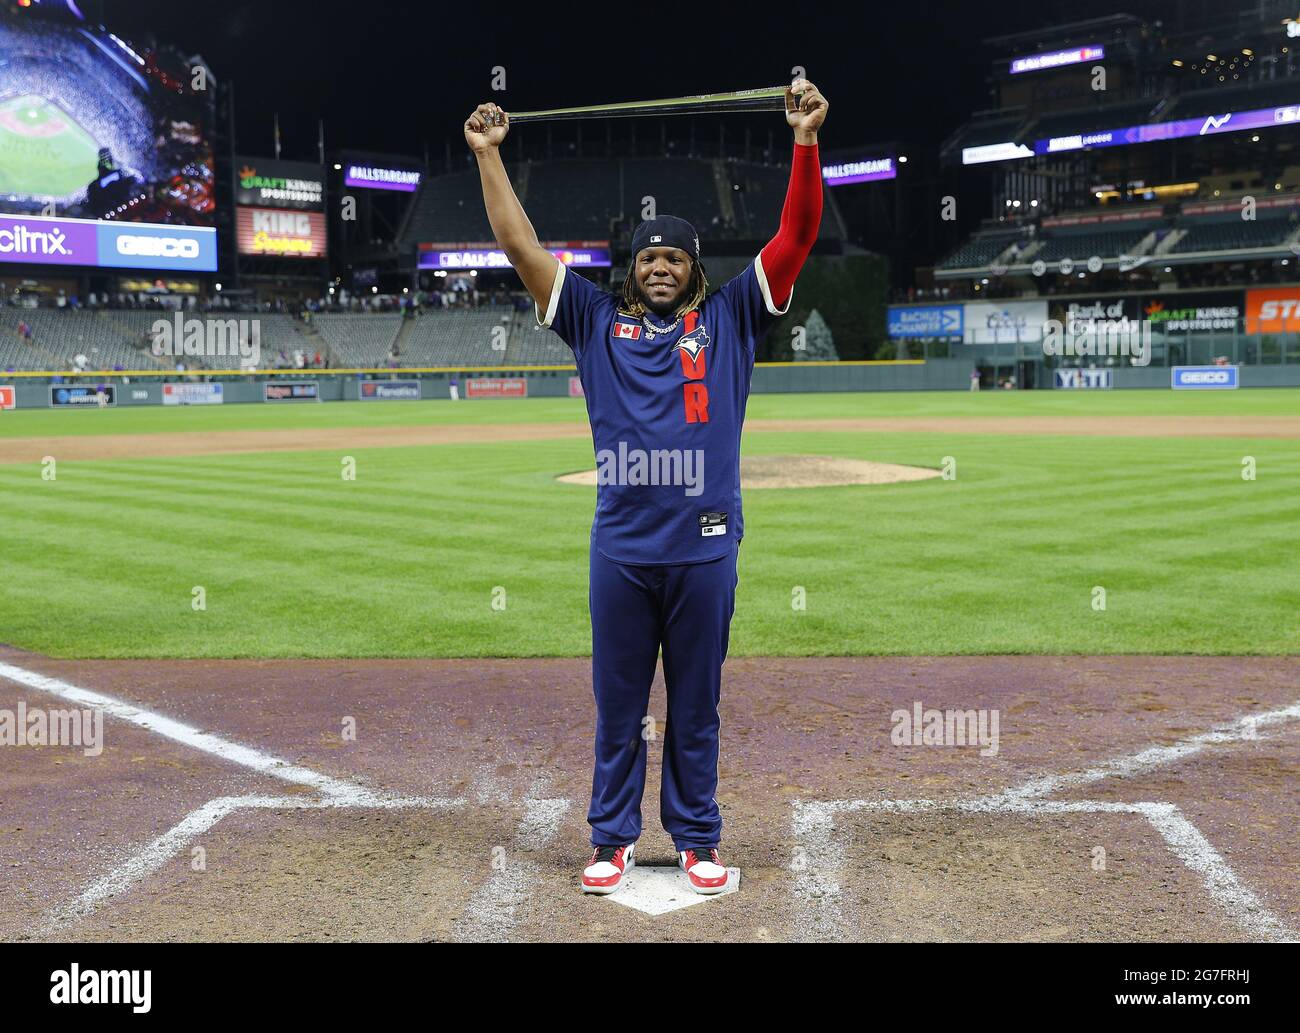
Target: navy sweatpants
{"type": "Point", "coordinates": [687, 610]}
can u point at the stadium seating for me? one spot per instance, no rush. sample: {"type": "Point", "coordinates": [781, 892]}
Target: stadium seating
{"type": "Point", "coordinates": [602, 198]}
{"type": "Point", "coordinates": [571, 197]}
{"type": "Point", "coordinates": [531, 345]}
{"type": "Point", "coordinates": [60, 335]}
{"type": "Point", "coordinates": [16, 354]}
{"type": "Point", "coordinates": [447, 208]}
{"type": "Point", "coordinates": [1233, 234]}
{"type": "Point", "coordinates": [458, 337]}
{"type": "Point", "coordinates": [1082, 246]}
{"type": "Point", "coordinates": [757, 204]}
{"type": "Point", "coordinates": [358, 341]}
{"type": "Point", "coordinates": [980, 250]}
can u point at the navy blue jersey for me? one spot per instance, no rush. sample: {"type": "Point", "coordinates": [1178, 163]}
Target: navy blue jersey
{"type": "Point", "coordinates": [666, 404]}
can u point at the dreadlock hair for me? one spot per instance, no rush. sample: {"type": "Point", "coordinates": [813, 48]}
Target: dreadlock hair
{"type": "Point", "coordinates": [696, 287]}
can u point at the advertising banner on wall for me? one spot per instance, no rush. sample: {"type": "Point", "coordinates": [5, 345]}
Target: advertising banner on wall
{"type": "Point", "coordinates": [81, 396]}
{"type": "Point", "coordinates": [860, 170]}
{"type": "Point", "coordinates": [266, 183]}
{"type": "Point", "coordinates": [488, 255]}
{"type": "Point", "coordinates": [1204, 378]}
{"type": "Point", "coordinates": [496, 387]}
{"type": "Point", "coordinates": [1184, 312]}
{"type": "Point", "coordinates": [280, 234]}
{"type": "Point", "coordinates": [1273, 310]}
{"type": "Point", "coordinates": [1192, 313]}
{"type": "Point", "coordinates": [1075, 379]}
{"type": "Point", "coordinates": [1005, 322]}
{"type": "Point", "coordinates": [389, 391]}
{"type": "Point", "coordinates": [193, 394]}
{"type": "Point", "coordinates": [8, 399]}
{"type": "Point", "coordinates": [291, 391]}
{"type": "Point", "coordinates": [1076, 314]}
{"type": "Point", "coordinates": [38, 240]}
{"type": "Point", "coordinates": [925, 320]}
{"type": "Point", "coordinates": [381, 177]}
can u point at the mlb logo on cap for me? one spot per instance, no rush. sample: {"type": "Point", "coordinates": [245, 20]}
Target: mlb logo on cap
{"type": "Point", "coordinates": [656, 239]}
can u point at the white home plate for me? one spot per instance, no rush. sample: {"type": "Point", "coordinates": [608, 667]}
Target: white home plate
{"type": "Point", "coordinates": [656, 891]}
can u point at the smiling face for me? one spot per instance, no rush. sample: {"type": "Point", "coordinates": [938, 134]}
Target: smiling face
{"type": "Point", "coordinates": [663, 275]}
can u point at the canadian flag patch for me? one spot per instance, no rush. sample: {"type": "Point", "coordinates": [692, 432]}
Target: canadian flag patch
{"type": "Point", "coordinates": [628, 331]}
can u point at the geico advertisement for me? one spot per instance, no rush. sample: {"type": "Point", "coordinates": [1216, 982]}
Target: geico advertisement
{"type": "Point", "coordinates": [279, 233]}
{"type": "Point", "coordinates": [130, 245]}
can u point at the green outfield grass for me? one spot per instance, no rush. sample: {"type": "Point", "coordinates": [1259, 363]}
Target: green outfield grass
{"type": "Point", "coordinates": [403, 562]}
{"type": "Point", "coordinates": [848, 405]}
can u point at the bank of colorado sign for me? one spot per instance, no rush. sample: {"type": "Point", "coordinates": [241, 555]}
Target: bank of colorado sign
{"type": "Point", "coordinates": [273, 233]}
{"type": "Point", "coordinates": [37, 240]}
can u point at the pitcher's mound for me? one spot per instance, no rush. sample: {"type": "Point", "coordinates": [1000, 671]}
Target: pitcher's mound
{"type": "Point", "coordinates": [797, 471]}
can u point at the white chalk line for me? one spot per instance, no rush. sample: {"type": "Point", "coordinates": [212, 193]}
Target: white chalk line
{"type": "Point", "coordinates": [821, 859]}
{"type": "Point", "coordinates": [493, 909]}
{"type": "Point", "coordinates": [541, 819]}
{"type": "Point", "coordinates": [149, 859]}
{"type": "Point", "coordinates": [177, 731]}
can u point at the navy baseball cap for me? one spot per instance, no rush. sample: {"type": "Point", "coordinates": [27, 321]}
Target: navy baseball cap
{"type": "Point", "coordinates": [666, 231]}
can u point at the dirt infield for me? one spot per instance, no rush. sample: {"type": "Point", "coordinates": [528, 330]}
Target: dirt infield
{"type": "Point", "coordinates": [138, 446]}
{"type": "Point", "coordinates": [1130, 798]}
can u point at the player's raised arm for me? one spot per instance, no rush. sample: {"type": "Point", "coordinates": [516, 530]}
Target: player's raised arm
{"type": "Point", "coordinates": [535, 265]}
{"type": "Point", "coordinates": [801, 217]}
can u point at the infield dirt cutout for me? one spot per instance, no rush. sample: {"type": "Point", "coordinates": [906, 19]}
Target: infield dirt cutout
{"type": "Point", "coordinates": [800, 471]}
{"type": "Point", "coordinates": [490, 762]}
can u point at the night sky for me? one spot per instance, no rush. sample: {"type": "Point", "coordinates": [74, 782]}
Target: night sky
{"type": "Point", "coordinates": [394, 77]}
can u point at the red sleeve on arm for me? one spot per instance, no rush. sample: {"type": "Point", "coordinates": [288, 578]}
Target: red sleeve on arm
{"type": "Point", "coordinates": [801, 217]}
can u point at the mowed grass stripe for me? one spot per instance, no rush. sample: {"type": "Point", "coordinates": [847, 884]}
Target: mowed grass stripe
{"type": "Point", "coordinates": [1112, 405]}
{"type": "Point", "coordinates": [403, 561]}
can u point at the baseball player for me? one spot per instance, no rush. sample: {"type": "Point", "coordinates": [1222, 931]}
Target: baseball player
{"type": "Point", "coordinates": [666, 369]}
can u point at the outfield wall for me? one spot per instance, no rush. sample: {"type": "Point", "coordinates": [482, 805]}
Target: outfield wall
{"type": "Point", "coordinates": [34, 391]}
{"type": "Point", "coordinates": [1251, 376]}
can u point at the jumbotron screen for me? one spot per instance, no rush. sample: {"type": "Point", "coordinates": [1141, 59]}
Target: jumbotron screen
{"type": "Point", "coordinates": [94, 130]}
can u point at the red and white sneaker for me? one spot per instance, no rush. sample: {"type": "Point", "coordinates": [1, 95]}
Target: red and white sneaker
{"type": "Point", "coordinates": [604, 872]}
{"type": "Point", "coordinates": [704, 869]}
